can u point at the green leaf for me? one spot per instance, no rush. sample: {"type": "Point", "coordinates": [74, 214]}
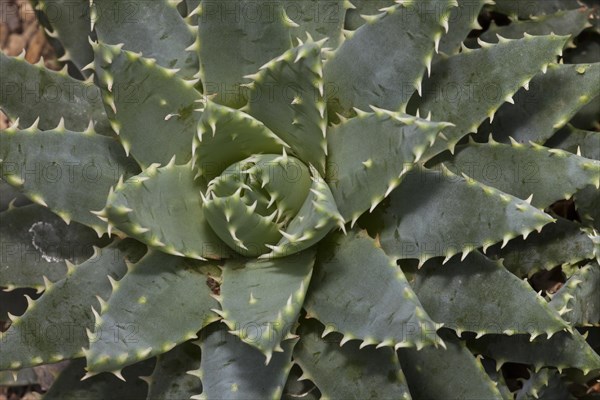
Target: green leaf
{"type": "Point", "coordinates": [29, 92]}
{"type": "Point", "coordinates": [355, 15]}
{"type": "Point", "coordinates": [36, 243]}
{"type": "Point", "coordinates": [451, 373]}
{"type": "Point", "coordinates": [270, 202]}
{"type": "Point", "coordinates": [287, 96]}
{"type": "Point", "coordinates": [255, 33]}
{"type": "Point", "coordinates": [294, 387]}
{"type": "Point", "coordinates": [231, 369]}
{"type": "Point", "coordinates": [71, 25]}
{"type": "Point", "coordinates": [320, 18]}
{"type": "Point", "coordinates": [187, 7]}
{"type": "Point", "coordinates": [383, 61]}
{"type": "Point", "coordinates": [14, 302]}
{"type": "Point", "coordinates": [261, 300]}
{"type": "Point", "coordinates": [464, 213]}
{"type": "Point", "coordinates": [587, 203]}
{"type": "Point", "coordinates": [563, 350]}
{"type": "Point", "coordinates": [497, 377]}
{"type": "Point", "coordinates": [315, 219]}
{"type": "Point", "coordinates": [578, 301]}
{"type": "Point", "coordinates": [356, 282]}
{"type": "Point", "coordinates": [170, 379]}
{"type": "Point", "coordinates": [231, 203]}
{"type": "Point", "coordinates": [587, 51]}
{"type": "Point", "coordinates": [544, 385]}
{"type": "Point", "coordinates": [525, 170]}
{"type": "Point", "coordinates": [10, 196]}
{"type": "Point", "coordinates": [144, 208]}
{"type": "Point", "coordinates": [69, 172]}
{"type": "Point", "coordinates": [480, 295]}
{"type": "Point", "coordinates": [551, 101]}
{"type": "Point", "coordinates": [369, 155]}
{"type": "Point", "coordinates": [477, 81]}
{"type": "Point", "coordinates": [167, 38]}
{"type": "Point", "coordinates": [461, 21]}
{"type": "Point", "coordinates": [69, 385]}
{"type": "Point", "coordinates": [569, 22]}
{"type": "Point", "coordinates": [576, 141]}
{"type": "Point", "coordinates": [562, 242]}
{"type": "Point", "coordinates": [157, 281]}
{"type": "Point", "coordinates": [226, 135]}
{"type": "Point", "coordinates": [586, 117]}
{"type": "Point", "coordinates": [152, 110]}
{"type": "Point", "coordinates": [526, 8]}
{"type": "Point", "coordinates": [348, 372]}
{"type": "Point", "coordinates": [22, 377]}
{"type": "Point", "coordinates": [54, 327]}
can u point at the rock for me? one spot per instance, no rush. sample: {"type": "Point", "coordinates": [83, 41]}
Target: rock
{"type": "Point", "coordinates": [34, 49]}
{"type": "Point", "coordinates": [3, 34]}
{"type": "Point", "coordinates": [15, 45]}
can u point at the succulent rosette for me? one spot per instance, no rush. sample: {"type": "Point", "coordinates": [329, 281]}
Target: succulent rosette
{"type": "Point", "coordinates": [291, 203]}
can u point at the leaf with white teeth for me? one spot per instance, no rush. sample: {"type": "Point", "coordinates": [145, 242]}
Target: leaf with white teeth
{"type": "Point", "coordinates": [22, 377]}
{"type": "Point", "coordinates": [568, 22]}
{"type": "Point", "coordinates": [231, 369]}
{"type": "Point", "coordinates": [552, 100]}
{"type": "Point", "coordinates": [544, 384]}
{"type": "Point", "coordinates": [36, 243]}
{"type": "Point", "coordinates": [226, 135]}
{"type": "Point", "coordinates": [70, 386]}
{"type": "Point", "coordinates": [526, 170]}
{"type": "Point", "coordinates": [166, 39]}
{"type": "Point", "coordinates": [563, 350]}
{"type": "Point", "coordinates": [66, 310]}
{"type": "Point", "coordinates": [243, 41]}
{"type": "Point", "coordinates": [435, 213]}
{"type": "Point", "coordinates": [383, 62]}
{"type": "Point", "coordinates": [316, 218]}
{"type": "Point", "coordinates": [157, 280]}
{"type": "Point", "coordinates": [287, 95]}
{"type": "Point", "coordinates": [369, 155]}
{"type": "Point", "coordinates": [472, 80]}
{"type": "Point", "coordinates": [461, 21]}
{"type": "Point", "coordinates": [454, 364]}
{"type": "Point", "coordinates": [261, 300]}
{"type": "Point", "coordinates": [69, 172]}
{"type": "Point", "coordinates": [170, 378]}
{"type": "Point", "coordinates": [524, 9]}
{"type": "Point", "coordinates": [349, 371]}
{"type": "Point", "coordinates": [362, 10]}
{"type": "Point", "coordinates": [296, 387]}
{"type": "Point", "coordinates": [587, 203]}
{"type": "Point", "coordinates": [480, 295]}
{"type": "Point", "coordinates": [355, 282]}
{"type": "Point", "coordinates": [154, 112]}
{"type": "Point", "coordinates": [11, 197]}
{"type": "Point", "coordinates": [578, 301]}
{"type": "Point", "coordinates": [71, 25]}
{"type": "Point", "coordinates": [497, 378]}
{"type": "Point", "coordinates": [321, 19]}
{"type": "Point", "coordinates": [144, 207]}
{"type": "Point", "coordinates": [29, 92]}
{"type": "Point", "coordinates": [577, 141]}
{"type": "Point", "coordinates": [560, 243]}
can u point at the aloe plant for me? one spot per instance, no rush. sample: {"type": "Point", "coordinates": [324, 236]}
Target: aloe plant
{"type": "Point", "coordinates": [329, 198]}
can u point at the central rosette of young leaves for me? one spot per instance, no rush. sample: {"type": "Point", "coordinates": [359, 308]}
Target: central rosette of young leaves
{"type": "Point", "coordinates": [263, 188]}
{"type": "Point", "coordinates": [252, 203]}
